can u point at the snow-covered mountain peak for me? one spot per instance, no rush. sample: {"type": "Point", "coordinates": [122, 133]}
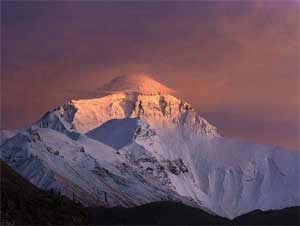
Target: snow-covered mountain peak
{"type": "Point", "coordinates": [128, 97]}
{"type": "Point", "coordinates": [137, 144]}
{"type": "Point", "coordinates": [136, 83]}
{"type": "Point", "coordinates": [157, 110]}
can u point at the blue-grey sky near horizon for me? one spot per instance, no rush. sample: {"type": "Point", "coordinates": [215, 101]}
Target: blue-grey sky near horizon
{"type": "Point", "coordinates": [236, 62]}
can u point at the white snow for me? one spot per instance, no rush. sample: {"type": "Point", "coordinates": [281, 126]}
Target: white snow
{"type": "Point", "coordinates": [140, 144]}
{"type": "Point", "coordinates": [116, 132]}
{"type": "Point", "coordinates": [6, 134]}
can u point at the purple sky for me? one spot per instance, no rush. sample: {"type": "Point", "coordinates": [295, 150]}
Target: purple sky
{"type": "Point", "coordinates": [236, 62]}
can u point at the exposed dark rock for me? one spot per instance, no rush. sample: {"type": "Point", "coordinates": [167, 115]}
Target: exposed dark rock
{"type": "Point", "coordinates": [177, 166]}
{"type": "Point", "coordinates": [81, 149]}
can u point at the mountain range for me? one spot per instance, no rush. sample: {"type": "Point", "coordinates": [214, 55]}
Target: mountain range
{"type": "Point", "coordinates": [136, 143]}
{"type": "Point", "coordinates": [25, 204]}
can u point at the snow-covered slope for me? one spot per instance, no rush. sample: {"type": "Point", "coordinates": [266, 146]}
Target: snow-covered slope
{"type": "Point", "coordinates": [137, 143]}
{"type": "Point", "coordinates": [118, 133]}
{"type": "Point", "coordinates": [86, 170]}
{"type": "Point", "coordinates": [227, 176]}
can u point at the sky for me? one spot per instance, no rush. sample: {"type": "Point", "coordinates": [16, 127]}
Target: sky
{"type": "Point", "coordinates": [236, 62]}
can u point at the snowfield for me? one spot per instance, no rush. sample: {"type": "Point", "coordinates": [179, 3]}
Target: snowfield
{"type": "Point", "coordinates": [137, 143]}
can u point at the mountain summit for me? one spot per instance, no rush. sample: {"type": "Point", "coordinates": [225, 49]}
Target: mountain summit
{"type": "Point", "coordinates": [138, 144]}
{"type": "Point", "coordinates": [136, 83]}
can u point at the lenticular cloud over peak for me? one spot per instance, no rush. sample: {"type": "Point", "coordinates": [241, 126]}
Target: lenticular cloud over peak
{"type": "Point", "coordinates": [136, 83]}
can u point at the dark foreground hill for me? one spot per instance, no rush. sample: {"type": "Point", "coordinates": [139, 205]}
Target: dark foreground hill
{"type": "Point", "coordinates": [158, 213]}
{"type": "Point", "coordinates": [168, 213]}
{"type": "Point", "coordinates": [23, 203]}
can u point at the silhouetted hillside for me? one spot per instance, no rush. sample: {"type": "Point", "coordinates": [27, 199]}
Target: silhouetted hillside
{"type": "Point", "coordinates": [23, 203]}
{"type": "Point", "coordinates": [170, 213]}
{"type": "Point", "coordinates": [287, 216]}
{"type": "Point", "coordinates": [164, 213]}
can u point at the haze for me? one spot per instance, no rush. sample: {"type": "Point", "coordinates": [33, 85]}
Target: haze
{"type": "Point", "coordinates": [236, 62]}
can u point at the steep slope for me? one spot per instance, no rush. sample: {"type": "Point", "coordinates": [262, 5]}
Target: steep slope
{"type": "Point", "coordinates": [227, 176]}
{"type": "Point", "coordinates": [24, 204]}
{"type": "Point", "coordinates": [155, 109]}
{"type": "Point", "coordinates": [116, 132]}
{"type": "Point", "coordinates": [160, 149]}
{"type": "Point", "coordinates": [138, 143]}
{"type": "Point", "coordinates": [85, 169]}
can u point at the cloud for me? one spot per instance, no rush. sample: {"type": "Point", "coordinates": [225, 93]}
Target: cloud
{"type": "Point", "coordinates": [235, 58]}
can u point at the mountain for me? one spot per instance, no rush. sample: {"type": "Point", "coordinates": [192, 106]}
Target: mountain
{"type": "Point", "coordinates": [23, 203]}
{"type": "Point", "coordinates": [137, 143]}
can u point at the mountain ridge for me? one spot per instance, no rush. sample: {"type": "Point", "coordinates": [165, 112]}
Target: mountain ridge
{"type": "Point", "coordinates": [185, 160]}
